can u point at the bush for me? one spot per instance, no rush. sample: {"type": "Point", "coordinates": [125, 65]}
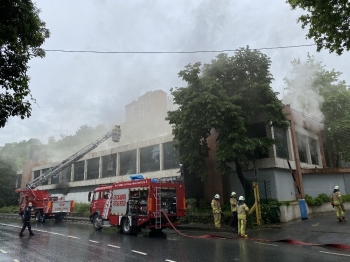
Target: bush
{"type": "Point", "coordinates": [81, 209]}
{"type": "Point", "coordinates": [9, 209]}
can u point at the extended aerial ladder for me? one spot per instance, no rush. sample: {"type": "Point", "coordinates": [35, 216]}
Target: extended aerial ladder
{"type": "Point", "coordinates": [115, 134]}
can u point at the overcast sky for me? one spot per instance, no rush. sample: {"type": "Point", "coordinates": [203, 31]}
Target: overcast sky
{"type": "Point", "coordinates": [74, 89]}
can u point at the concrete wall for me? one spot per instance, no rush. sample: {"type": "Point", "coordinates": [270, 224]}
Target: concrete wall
{"type": "Point", "coordinates": [315, 184]}
{"type": "Point", "coordinates": [281, 183]}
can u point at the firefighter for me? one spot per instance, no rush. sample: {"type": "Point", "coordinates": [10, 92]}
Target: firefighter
{"type": "Point", "coordinates": [233, 203]}
{"type": "Point", "coordinates": [242, 211]}
{"type": "Point", "coordinates": [337, 203]}
{"type": "Point", "coordinates": [215, 205]}
{"type": "Point", "coordinates": [26, 220]}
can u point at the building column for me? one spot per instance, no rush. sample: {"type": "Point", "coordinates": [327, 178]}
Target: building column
{"type": "Point", "coordinates": [137, 160]}
{"type": "Point", "coordinates": [117, 173]}
{"type": "Point", "coordinates": [85, 170]}
{"type": "Point", "coordinates": [297, 172]}
{"type": "Point", "coordinates": [100, 167]}
{"type": "Point", "coordinates": [161, 157]}
{"type": "Point", "coordinates": [72, 173]}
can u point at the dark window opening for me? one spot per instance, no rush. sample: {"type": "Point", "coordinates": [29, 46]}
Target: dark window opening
{"type": "Point", "coordinates": [149, 159]}
{"type": "Point", "coordinates": [314, 151]}
{"type": "Point", "coordinates": [36, 174]}
{"type": "Point", "coordinates": [79, 171]}
{"type": "Point", "coordinates": [302, 142]}
{"type": "Point", "coordinates": [46, 182]}
{"type": "Point", "coordinates": [19, 181]}
{"type": "Point", "coordinates": [258, 130]}
{"type": "Point", "coordinates": [66, 174]}
{"type": "Point", "coordinates": [282, 143]}
{"type": "Point", "coordinates": [128, 162]}
{"type": "Point", "coordinates": [109, 165]}
{"type": "Point", "coordinates": [171, 156]}
{"type": "Point", "coordinates": [55, 179]}
{"type": "Point", "coordinates": [93, 166]}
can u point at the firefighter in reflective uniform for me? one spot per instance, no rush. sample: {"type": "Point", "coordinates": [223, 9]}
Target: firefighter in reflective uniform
{"type": "Point", "coordinates": [337, 203]}
{"type": "Point", "coordinates": [242, 211]}
{"type": "Point", "coordinates": [215, 205]}
{"type": "Point", "coordinates": [233, 204]}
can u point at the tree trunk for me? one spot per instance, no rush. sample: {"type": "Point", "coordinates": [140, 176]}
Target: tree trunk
{"type": "Point", "coordinates": [240, 173]}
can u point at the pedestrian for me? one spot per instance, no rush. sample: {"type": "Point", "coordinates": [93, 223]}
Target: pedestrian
{"type": "Point", "coordinates": [26, 220]}
{"type": "Point", "coordinates": [233, 203]}
{"type": "Point", "coordinates": [242, 211]}
{"type": "Point", "coordinates": [337, 203]}
{"type": "Point", "coordinates": [215, 205]}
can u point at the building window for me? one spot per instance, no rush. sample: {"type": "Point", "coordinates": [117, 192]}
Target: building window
{"type": "Point", "coordinates": [109, 165]}
{"type": "Point", "coordinates": [55, 179]}
{"type": "Point", "coordinates": [302, 147]}
{"type": "Point", "coordinates": [258, 130]}
{"type": "Point", "coordinates": [149, 159]}
{"type": "Point", "coordinates": [314, 151]}
{"type": "Point", "coordinates": [171, 156]}
{"type": "Point", "coordinates": [79, 171]}
{"type": "Point", "coordinates": [282, 142]}
{"type": "Point", "coordinates": [128, 162]}
{"type": "Point", "coordinates": [36, 174]}
{"type": "Point", "coordinates": [19, 181]}
{"type": "Point", "coordinates": [46, 182]}
{"type": "Point", "coordinates": [93, 166]}
{"type": "Point", "coordinates": [66, 174]}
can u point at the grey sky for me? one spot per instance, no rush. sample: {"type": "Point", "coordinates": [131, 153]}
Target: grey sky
{"type": "Point", "coordinates": [73, 89]}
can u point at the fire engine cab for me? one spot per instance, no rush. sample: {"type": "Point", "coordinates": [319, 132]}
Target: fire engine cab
{"type": "Point", "coordinates": [136, 204]}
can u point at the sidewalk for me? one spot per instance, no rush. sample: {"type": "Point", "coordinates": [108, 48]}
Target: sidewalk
{"type": "Point", "coordinates": [320, 228]}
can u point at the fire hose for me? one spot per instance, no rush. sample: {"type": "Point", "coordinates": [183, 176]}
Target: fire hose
{"type": "Point", "coordinates": [290, 241]}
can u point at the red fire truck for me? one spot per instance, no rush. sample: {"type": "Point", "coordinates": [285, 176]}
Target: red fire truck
{"type": "Point", "coordinates": [46, 206]}
{"type": "Point", "coordinates": [138, 204]}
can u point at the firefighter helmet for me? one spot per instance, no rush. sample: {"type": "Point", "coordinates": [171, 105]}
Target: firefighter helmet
{"type": "Point", "coordinates": [336, 187]}
{"type": "Point", "coordinates": [217, 196]}
{"type": "Point", "coordinates": [233, 193]}
{"type": "Point", "coordinates": [241, 198]}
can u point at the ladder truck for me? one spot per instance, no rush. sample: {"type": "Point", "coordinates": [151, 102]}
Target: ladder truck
{"type": "Point", "coordinates": [140, 203]}
{"type": "Point", "coordinates": [46, 206]}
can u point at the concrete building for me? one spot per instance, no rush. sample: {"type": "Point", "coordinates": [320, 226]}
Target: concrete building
{"type": "Point", "coordinates": [155, 157]}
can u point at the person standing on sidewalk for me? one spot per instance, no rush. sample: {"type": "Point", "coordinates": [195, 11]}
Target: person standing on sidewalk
{"type": "Point", "coordinates": [215, 205]}
{"type": "Point", "coordinates": [242, 211]}
{"type": "Point", "coordinates": [233, 203]}
{"type": "Point", "coordinates": [26, 220]}
{"type": "Point", "coordinates": [337, 203]}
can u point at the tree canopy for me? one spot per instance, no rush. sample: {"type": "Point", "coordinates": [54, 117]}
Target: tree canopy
{"type": "Point", "coordinates": [311, 75]}
{"type": "Point", "coordinates": [328, 23]}
{"type": "Point", "coordinates": [21, 35]}
{"type": "Point", "coordinates": [224, 96]}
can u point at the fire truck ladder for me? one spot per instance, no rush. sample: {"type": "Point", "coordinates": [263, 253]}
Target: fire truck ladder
{"type": "Point", "coordinates": [107, 205]}
{"type": "Point", "coordinates": [157, 214]}
{"type": "Point", "coordinates": [115, 134]}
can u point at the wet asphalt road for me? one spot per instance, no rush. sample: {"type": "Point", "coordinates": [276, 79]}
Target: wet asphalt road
{"type": "Point", "coordinates": [67, 241]}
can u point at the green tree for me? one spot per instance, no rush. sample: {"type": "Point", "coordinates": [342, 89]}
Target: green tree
{"type": "Point", "coordinates": [21, 35]}
{"type": "Point", "coordinates": [224, 96]}
{"type": "Point", "coordinates": [17, 153]}
{"type": "Point", "coordinates": [328, 23]}
{"type": "Point", "coordinates": [311, 76]}
{"type": "Point", "coordinates": [7, 184]}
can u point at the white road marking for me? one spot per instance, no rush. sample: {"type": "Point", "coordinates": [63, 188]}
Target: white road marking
{"type": "Point", "coordinates": [15, 260]}
{"type": "Point", "coordinates": [94, 241]}
{"type": "Point", "coordinates": [3, 251]}
{"type": "Point", "coordinates": [338, 254]}
{"type": "Point", "coordinates": [260, 243]}
{"type": "Point", "coordinates": [56, 234]}
{"type": "Point", "coordinates": [168, 260]}
{"type": "Point", "coordinates": [73, 237]}
{"type": "Point", "coordinates": [113, 246]}
{"type": "Point", "coordinates": [138, 252]}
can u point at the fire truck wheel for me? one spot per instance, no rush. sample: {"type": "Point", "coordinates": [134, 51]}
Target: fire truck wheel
{"type": "Point", "coordinates": [126, 228]}
{"type": "Point", "coordinates": [96, 223]}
